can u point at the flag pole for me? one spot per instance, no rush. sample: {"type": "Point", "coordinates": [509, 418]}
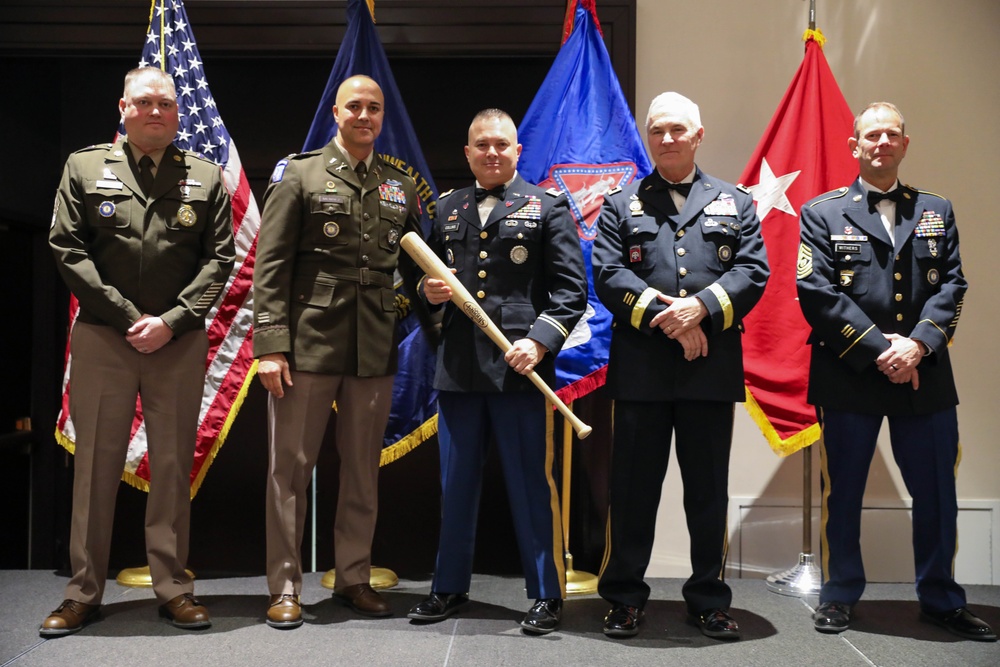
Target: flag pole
{"type": "Point", "coordinates": [578, 582]}
{"type": "Point", "coordinates": [805, 578]}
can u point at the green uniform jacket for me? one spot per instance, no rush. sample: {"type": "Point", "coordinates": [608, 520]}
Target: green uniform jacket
{"type": "Point", "coordinates": [124, 255]}
{"type": "Point", "coordinates": [323, 277]}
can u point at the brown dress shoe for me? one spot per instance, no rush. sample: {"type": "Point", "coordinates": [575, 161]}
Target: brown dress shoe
{"type": "Point", "coordinates": [185, 612]}
{"type": "Point", "coordinates": [284, 612]}
{"type": "Point", "coordinates": [363, 599]}
{"type": "Point", "coordinates": [68, 618]}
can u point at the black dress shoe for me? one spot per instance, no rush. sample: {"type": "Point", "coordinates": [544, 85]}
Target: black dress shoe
{"type": "Point", "coordinates": [622, 621]}
{"type": "Point", "coordinates": [717, 624]}
{"type": "Point", "coordinates": [543, 617]}
{"type": "Point", "coordinates": [831, 617]}
{"type": "Point", "coordinates": [963, 623]}
{"type": "Point", "coordinates": [437, 607]}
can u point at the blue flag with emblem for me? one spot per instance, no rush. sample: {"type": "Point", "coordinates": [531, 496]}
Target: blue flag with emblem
{"type": "Point", "coordinates": [413, 418]}
{"type": "Point", "coordinates": [579, 136]}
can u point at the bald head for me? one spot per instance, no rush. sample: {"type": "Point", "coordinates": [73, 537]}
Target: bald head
{"type": "Point", "coordinates": [358, 112]}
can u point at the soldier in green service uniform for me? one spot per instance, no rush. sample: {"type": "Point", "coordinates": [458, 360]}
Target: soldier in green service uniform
{"type": "Point", "coordinates": [142, 235]}
{"type": "Point", "coordinates": [325, 331]}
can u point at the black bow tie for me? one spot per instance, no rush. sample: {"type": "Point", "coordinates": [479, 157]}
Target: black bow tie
{"type": "Point", "coordinates": [498, 192]}
{"type": "Point", "coordinates": [876, 197]}
{"type": "Point", "coordinates": [684, 189]}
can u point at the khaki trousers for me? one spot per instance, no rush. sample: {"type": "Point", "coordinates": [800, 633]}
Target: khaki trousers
{"type": "Point", "coordinates": [105, 377]}
{"type": "Point", "coordinates": [296, 424]}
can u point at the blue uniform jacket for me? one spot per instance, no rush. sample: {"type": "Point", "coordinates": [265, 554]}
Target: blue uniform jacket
{"type": "Point", "coordinates": [712, 250]}
{"type": "Point", "coordinates": [525, 268]}
{"type": "Point", "coordinates": [854, 287]}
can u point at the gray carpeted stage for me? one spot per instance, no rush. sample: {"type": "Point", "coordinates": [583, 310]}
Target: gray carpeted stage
{"type": "Point", "coordinates": [777, 630]}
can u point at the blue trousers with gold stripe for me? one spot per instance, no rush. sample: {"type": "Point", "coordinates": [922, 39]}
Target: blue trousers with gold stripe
{"type": "Point", "coordinates": [926, 450]}
{"type": "Point", "coordinates": [521, 425]}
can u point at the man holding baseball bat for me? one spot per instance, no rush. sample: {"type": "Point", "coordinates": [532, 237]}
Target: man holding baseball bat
{"type": "Point", "coordinates": [515, 248]}
{"type": "Point", "coordinates": [679, 261]}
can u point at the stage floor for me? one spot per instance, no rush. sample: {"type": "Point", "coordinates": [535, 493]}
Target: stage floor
{"type": "Point", "coordinates": [777, 630]}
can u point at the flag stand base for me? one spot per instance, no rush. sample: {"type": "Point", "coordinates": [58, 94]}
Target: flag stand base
{"type": "Point", "coordinates": [381, 578]}
{"type": "Point", "coordinates": [579, 582]}
{"type": "Point", "coordinates": [799, 581]}
{"type": "Point", "coordinates": [139, 577]}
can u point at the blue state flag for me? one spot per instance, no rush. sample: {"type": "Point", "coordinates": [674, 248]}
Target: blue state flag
{"type": "Point", "coordinates": [414, 402]}
{"type": "Point", "coordinates": [579, 136]}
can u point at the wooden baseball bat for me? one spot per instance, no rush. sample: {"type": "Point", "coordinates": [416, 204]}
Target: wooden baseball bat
{"type": "Point", "coordinates": [435, 268]}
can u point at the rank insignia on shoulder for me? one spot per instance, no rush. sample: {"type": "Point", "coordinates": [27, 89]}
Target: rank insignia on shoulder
{"type": "Point", "coordinates": [553, 192]}
{"type": "Point", "coordinates": [613, 191]}
{"type": "Point", "coordinates": [742, 188]}
{"type": "Point", "coordinates": [445, 194]}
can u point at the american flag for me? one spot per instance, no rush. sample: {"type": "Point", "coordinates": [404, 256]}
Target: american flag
{"type": "Point", "coordinates": [230, 364]}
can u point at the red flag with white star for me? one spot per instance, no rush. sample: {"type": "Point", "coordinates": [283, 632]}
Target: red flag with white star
{"type": "Point", "coordinates": [802, 154]}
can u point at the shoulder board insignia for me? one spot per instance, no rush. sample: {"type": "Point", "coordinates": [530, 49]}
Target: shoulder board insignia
{"type": "Point", "coordinates": [95, 147]}
{"type": "Point", "coordinates": [835, 194]}
{"type": "Point", "coordinates": [613, 191]}
{"type": "Point", "coordinates": [445, 194]}
{"type": "Point", "coordinates": [200, 156]}
{"type": "Point", "coordinates": [925, 192]}
{"type": "Point", "coordinates": [299, 156]}
{"type": "Point", "coordinates": [553, 192]}
{"type": "Point", "coordinates": [742, 188]}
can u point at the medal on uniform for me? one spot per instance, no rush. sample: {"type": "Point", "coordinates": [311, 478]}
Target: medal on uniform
{"type": "Point", "coordinates": [331, 228]}
{"type": "Point", "coordinates": [331, 186]}
{"type": "Point", "coordinates": [635, 254]}
{"type": "Point", "coordinates": [450, 256]}
{"type": "Point", "coordinates": [846, 278]}
{"type": "Point", "coordinates": [186, 215]}
{"type": "Point", "coordinates": [393, 236]}
{"type": "Point", "coordinates": [933, 276]}
{"type": "Point", "coordinates": [932, 246]}
{"type": "Point", "coordinates": [106, 209]}
{"type": "Point", "coordinates": [519, 254]}
{"type": "Point", "coordinates": [725, 253]}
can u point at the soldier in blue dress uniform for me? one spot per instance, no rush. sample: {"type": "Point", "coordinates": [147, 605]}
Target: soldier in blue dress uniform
{"type": "Point", "coordinates": [515, 247]}
{"type": "Point", "coordinates": [679, 261]}
{"type": "Point", "coordinates": [880, 282]}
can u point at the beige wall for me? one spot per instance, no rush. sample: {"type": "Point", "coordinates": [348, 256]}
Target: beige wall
{"type": "Point", "coordinates": [940, 63]}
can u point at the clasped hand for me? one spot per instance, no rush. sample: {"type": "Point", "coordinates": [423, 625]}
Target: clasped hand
{"type": "Point", "coordinates": [681, 322]}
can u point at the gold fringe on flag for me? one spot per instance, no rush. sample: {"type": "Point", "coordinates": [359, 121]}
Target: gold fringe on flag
{"type": "Point", "coordinates": [815, 35]}
{"type": "Point", "coordinates": [410, 442]}
{"type": "Point", "coordinates": [802, 439]}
